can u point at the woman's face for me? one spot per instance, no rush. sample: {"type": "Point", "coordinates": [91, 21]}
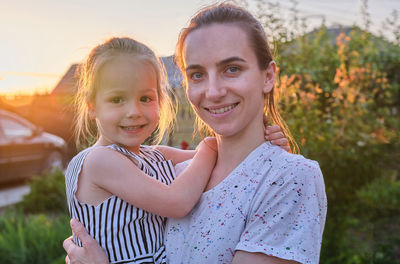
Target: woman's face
{"type": "Point", "coordinates": [225, 84]}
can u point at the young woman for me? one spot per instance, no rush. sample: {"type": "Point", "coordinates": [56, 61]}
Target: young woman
{"type": "Point", "coordinates": [261, 204]}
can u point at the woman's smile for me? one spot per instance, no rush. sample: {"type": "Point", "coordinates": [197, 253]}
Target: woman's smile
{"type": "Point", "coordinates": [219, 110]}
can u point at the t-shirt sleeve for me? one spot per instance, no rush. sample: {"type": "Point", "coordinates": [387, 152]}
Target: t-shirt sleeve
{"type": "Point", "coordinates": [287, 215]}
{"type": "Point", "coordinates": [180, 167]}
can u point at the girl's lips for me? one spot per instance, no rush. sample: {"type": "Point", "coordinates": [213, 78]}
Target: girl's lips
{"type": "Point", "coordinates": [132, 128]}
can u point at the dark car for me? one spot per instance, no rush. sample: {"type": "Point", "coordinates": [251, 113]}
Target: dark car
{"type": "Point", "coordinates": [26, 150]}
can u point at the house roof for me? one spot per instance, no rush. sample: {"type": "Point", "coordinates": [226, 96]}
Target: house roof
{"type": "Point", "coordinates": [68, 83]}
{"type": "Point", "coordinates": [173, 72]}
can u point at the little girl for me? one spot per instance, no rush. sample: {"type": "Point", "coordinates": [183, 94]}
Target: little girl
{"type": "Point", "coordinates": [119, 189]}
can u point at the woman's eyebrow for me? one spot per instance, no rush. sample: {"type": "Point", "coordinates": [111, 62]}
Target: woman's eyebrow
{"type": "Point", "coordinates": [229, 60]}
{"type": "Point", "coordinates": [218, 64]}
{"type": "Point", "coordinates": [193, 66]}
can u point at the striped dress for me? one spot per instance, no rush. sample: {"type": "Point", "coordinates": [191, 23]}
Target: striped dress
{"type": "Point", "coordinates": [126, 233]}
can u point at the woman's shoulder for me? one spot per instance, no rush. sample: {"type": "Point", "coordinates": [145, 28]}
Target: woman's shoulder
{"type": "Point", "coordinates": [281, 158]}
{"type": "Point", "coordinates": [279, 163]}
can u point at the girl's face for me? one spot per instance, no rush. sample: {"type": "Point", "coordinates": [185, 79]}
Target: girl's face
{"type": "Point", "coordinates": [126, 105]}
{"type": "Point", "coordinates": [225, 85]}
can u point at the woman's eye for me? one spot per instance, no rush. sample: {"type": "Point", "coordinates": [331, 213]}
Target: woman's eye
{"type": "Point", "coordinates": [196, 76]}
{"type": "Point", "coordinates": [233, 69]}
{"type": "Point", "coordinates": [145, 99]}
{"type": "Point", "coordinates": [116, 100]}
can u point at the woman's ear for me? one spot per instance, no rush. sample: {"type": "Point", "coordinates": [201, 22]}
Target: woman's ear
{"type": "Point", "coordinates": [269, 77]}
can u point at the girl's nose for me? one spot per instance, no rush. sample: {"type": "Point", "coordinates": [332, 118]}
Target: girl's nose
{"type": "Point", "coordinates": [133, 110]}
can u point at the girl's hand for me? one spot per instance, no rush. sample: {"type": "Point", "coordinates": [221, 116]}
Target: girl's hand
{"type": "Point", "coordinates": [275, 135]}
{"type": "Point", "coordinates": [89, 253]}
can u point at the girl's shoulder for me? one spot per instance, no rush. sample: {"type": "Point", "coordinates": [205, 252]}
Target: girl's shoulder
{"type": "Point", "coordinates": [78, 158]}
{"type": "Point", "coordinates": [151, 152]}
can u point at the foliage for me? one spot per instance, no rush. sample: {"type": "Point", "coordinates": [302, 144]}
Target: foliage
{"type": "Point", "coordinates": [47, 194]}
{"type": "Point", "coordinates": [33, 238]}
{"type": "Point", "coordinates": [33, 230]}
{"type": "Point", "coordinates": [373, 225]}
{"type": "Point", "coordinates": [339, 93]}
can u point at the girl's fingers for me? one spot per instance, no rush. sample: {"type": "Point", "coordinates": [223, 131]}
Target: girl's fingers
{"type": "Point", "coordinates": [280, 142]}
{"type": "Point", "coordinates": [287, 148]}
{"type": "Point", "coordinates": [276, 136]}
{"type": "Point", "coordinates": [272, 129]}
{"type": "Point", "coordinates": [265, 120]}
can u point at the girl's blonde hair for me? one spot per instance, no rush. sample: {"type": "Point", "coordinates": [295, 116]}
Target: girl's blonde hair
{"type": "Point", "coordinates": [225, 13]}
{"type": "Point", "coordinates": [86, 131]}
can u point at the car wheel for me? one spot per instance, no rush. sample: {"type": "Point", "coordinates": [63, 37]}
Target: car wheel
{"type": "Point", "coordinates": [54, 161]}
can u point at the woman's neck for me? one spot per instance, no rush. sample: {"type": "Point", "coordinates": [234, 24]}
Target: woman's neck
{"type": "Point", "coordinates": [232, 151]}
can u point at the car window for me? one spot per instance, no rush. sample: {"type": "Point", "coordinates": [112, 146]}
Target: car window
{"type": "Point", "coordinates": [14, 129]}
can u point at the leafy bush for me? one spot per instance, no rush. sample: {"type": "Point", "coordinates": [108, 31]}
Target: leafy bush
{"type": "Point", "coordinates": [340, 97]}
{"type": "Point", "coordinates": [47, 194]}
{"type": "Point", "coordinates": [379, 212]}
{"type": "Point", "coordinates": [33, 238]}
{"type": "Point", "coordinates": [33, 230]}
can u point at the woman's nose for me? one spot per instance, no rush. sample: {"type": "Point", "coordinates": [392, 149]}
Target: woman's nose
{"type": "Point", "coordinates": [215, 88]}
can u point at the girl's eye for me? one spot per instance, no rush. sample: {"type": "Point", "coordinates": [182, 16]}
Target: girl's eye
{"type": "Point", "coordinates": [232, 69]}
{"type": "Point", "coordinates": [196, 76]}
{"type": "Point", "coordinates": [116, 100]}
{"type": "Point", "coordinates": [145, 99]}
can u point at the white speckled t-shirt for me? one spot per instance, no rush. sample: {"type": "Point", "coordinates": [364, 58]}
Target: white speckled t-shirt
{"type": "Point", "coordinates": [274, 202]}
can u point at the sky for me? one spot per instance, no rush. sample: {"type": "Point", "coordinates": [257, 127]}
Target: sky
{"type": "Point", "coordinates": [40, 39]}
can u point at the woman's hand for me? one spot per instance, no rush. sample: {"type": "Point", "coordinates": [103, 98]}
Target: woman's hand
{"type": "Point", "coordinates": [89, 253]}
{"type": "Point", "coordinates": [275, 135]}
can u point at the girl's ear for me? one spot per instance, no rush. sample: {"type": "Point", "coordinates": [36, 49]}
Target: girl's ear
{"type": "Point", "coordinates": [269, 77]}
{"type": "Point", "coordinates": [91, 112]}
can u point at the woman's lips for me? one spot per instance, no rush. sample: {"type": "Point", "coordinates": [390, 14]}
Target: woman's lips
{"type": "Point", "coordinates": [221, 110]}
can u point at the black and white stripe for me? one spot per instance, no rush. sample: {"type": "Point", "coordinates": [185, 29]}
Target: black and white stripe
{"type": "Point", "coordinates": [126, 233]}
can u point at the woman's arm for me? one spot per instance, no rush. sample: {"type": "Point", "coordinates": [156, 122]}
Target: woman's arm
{"type": "Point", "coordinates": [258, 258]}
{"type": "Point", "coordinates": [109, 170]}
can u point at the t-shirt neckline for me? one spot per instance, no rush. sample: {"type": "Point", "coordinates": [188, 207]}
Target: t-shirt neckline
{"type": "Point", "coordinates": [253, 153]}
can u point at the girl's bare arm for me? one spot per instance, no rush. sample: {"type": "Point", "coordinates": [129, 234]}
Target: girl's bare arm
{"type": "Point", "coordinates": [110, 171]}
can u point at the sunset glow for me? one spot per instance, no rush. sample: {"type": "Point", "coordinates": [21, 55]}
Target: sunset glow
{"type": "Point", "coordinates": [43, 38]}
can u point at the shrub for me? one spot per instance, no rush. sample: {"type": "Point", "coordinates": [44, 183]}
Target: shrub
{"type": "Point", "coordinates": [47, 194]}
{"type": "Point", "coordinates": [33, 238]}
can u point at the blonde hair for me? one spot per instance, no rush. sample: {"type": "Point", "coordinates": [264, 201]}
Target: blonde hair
{"type": "Point", "coordinates": [86, 131]}
{"type": "Point", "coordinates": [225, 13]}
